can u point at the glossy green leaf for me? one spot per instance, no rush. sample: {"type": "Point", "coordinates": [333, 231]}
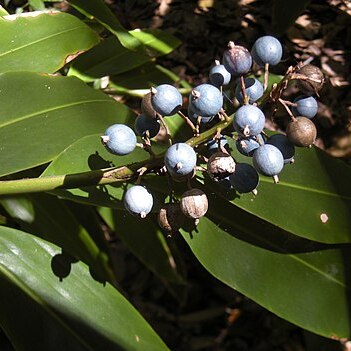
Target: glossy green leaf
{"type": "Point", "coordinates": [149, 245]}
{"type": "Point", "coordinates": [111, 58]}
{"type": "Point", "coordinates": [42, 41]}
{"type": "Point", "coordinates": [74, 313]}
{"type": "Point", "coordinates": [312, 199]}
{"type": "Point", "coordinates": [285, 12]}
{"type": "Point", "coordinates": [49, 218]}
{"type": "Point", "coordinates": [307, 285]}
{"type": "Point", "coordinates": [41, 115]}
{"type": "Point", "coordinates": [97, 9]}
{"type": "Point", "coordinates": [157, 42]}
{"type": "Point", "coordinates": [88, 154]}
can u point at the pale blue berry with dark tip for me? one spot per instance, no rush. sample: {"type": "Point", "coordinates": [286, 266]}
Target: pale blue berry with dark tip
{"type": "Point", "coordinates": [284, 145]}
{"type": "Point", "coordinates": [219, 76]}
{"type": "Point", "coordinates": [253, 88]}
{"type": "Point", "coordinates": [268, 160]}
{"type": "Point", "coordinates": [249, 120]}
{"type": "Point", "coordinates": [146, 126]}
{"type": "Point", "coordinates": [180, 159]}
{"type": "Point", "coordinates": [247, 146]}
{"type": "Point", "coordinates": [245, 178]}
{"type": "Point", "coordinates": [306, 106]}
{"type": "Point", "coordinates": [267, 49]}
{"type": "Point", "coordinates": [214, 145]}
{"type": "Point", "coordinates": [237, 59]}
{"type": "Point", "coordinates": [119, 139]}
{"type": "Point", "coordinates": [166, 99]}
{"type": "Point", "coordinates": [206, 100]}
{"type": "Point", "coordinates": [138, 201]}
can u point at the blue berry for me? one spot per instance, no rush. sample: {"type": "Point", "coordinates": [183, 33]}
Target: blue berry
{"type": "Point", "coordinates": [247, 146]}
{"type": "Point", "coordinates": [254, 90]}
{"type": "Point", "coordinates": [267, 49]}
{"type": "Point", "coordinates": [237, 59]}
{"type": "Point", "coordinates": [245, 178]}
{"type": "Point", "coordinates": [268, 160]}
{"type": "Point", "coordinates": [206, 100]}
{"type": "Point", "coordinates": [180, 159]}
{"type": "Point", "coordinates": [212, 145]}
{"type": "Point", "coordinates": [166, 99]}
{"type": "Point", "coordinates": [249, 120]}
{"type": "Point", "coordinates": [138, 201]}
{"type": "Point", "coordinates": [281, 142]}
{"type": "Point", "coordinates": [219, 75]}
{"type": "Point", "coordinates": [194, 116]}
{"type": "Point", "coordinates": [306, 106]}
{"type": "Point", "coordinates": [145, 125]}
{"type": "Point", "coordinates": [119, 139]}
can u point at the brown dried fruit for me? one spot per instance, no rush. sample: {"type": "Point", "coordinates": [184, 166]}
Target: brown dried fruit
{"type": "Point", "coordinates": [301, 131]}
{"type": "Point", "coordinates": [146, 106]}
{"type": "Point", "coordinates": [194, 203]}
{"type": "Point", "coordinates": [314, 79]}
{"type": "Point", "coordinates": [170, 218]}
{"type": "Point", "coordinates": [220, 165]}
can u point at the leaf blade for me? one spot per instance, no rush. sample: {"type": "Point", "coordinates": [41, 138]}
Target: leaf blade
{"type": "Point", "coordinates": [51, 37]}
{"type": "Point", "coordinates": [76, 311]}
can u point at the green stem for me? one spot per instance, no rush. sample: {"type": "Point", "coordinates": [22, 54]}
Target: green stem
{"type": "Point", "coordinates": [100, 176]}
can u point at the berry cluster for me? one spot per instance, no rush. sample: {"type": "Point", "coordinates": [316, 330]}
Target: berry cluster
{"type": "Point", "coordinates": [206, 109]}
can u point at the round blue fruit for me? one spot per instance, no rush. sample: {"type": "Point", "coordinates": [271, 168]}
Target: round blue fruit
{"type": "Point", "coordinates": [219, 75]}
{"type": "Point", "coordinates": [237, 59]}
{"type": "Point", "coordinates": [180, 159]}
{"type": "Point", "coordinates": [281, 142]}
{"type": "Point", "coordinates": [206, 100]}
{"type": "Point", "coordinates": [145, 125]}
{"type": "Point", "coordinates": [119, 139]}
{"type": "Point", "coordinates": [254, 90]}
{"type": "Point", "coordinates": [194, 116]}
{"type": "Point", "coordinates": [247, 146]}
{"type": "Point", "coordinates": [249, 120]}
{"type": "Point", "coordinates": [138, 201]}
{"type": "Point", "coordinates": [166, 99]}
{"type": "Point", "coordinates": [306, 106]}
{"type": "Point", "coordinates": [213, 145]}
{"type": "Point", "coordinates": [245, 178]}
{"type": "Point", "coordinates": [268, 160]}
{"type": "Point", "coordinates": [267, 49]}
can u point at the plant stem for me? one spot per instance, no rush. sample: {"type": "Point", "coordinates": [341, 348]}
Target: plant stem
{"type": "Point", "coordinates": [100, 176]}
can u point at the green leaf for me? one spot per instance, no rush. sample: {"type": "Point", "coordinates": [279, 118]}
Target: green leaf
{"type": "Point", "coordinates": [158, 42]}
{"type": "Point", "coordinates": [148, 244]}
{"type": "Point", "coordinates": [42, 41]}
{"type": "Point", "coordinates": [97, 9]}
{"type": "Point", "coordinates": [53, 112]}
{"type": "Point", "coordinates": [49, 218]}
{"type": "Point", "coordinates": [43, 312]}
{"type": "Point", "coordinates": [88, 154]}
{"type": "Point", "coordinates": [285, 12]}
{"type": "Point", "coordinates": [107, 58]}
{"type": "Point", "coordinates": [314, 186]}
{"type": "Point", "coordinates": [307, 286]}
{"type": "Point", "coordinates": [111, 58]}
